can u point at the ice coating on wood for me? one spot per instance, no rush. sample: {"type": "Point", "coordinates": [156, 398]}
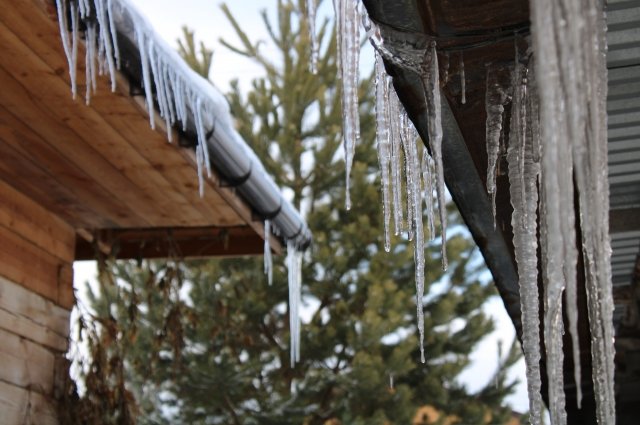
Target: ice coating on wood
{"type": "Point", "coordinates": [569, 44]}
{"type": "Point", "coordinates": [383, 145]}
{"type": "Point", "coordinates": [348, 40]}
{"type": "Point", "coordinates": [294, 267]}
{"type": "Point", "coordinates": [431, 83]}
{"type": "Point", "coordinates": [313, 36]}
{"type": "Point", "coordinates": [268, 259]}
{"type": "Point", "coordinates": [523, 177]}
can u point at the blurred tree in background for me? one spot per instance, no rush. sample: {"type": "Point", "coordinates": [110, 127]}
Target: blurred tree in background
{"type": "Point", "coordinates": [206, 342]}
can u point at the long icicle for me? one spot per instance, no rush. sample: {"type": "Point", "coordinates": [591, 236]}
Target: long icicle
{"type": "Point", "coordinates": [427, 165]}
{"type": "Point", "coordinates": [348, 30]}
{"type": "Point", "coordinates": [383, 145]}
{"type": "Point", "coordinates": [431, 85]}
{"type": "Point", "coordinates": [414, 191]}
{"type": "Point", "coordinates": [268, 259]}
{"type": "Point", "coordinates": [67, 45]}
{"type": "Point", "coordinates": [396, 158]}
{"type": "Point", "coordinates": [569, 42]}
{"type": "Point", "coordinates": [523, 177]}
{"type": "Point", "coordinates": [294, 266]}
{"type": "Point", "coordinates": [494, 107]}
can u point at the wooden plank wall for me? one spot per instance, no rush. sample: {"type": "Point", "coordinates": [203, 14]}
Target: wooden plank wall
{"type": "Point", "coordinates": [36, 296]}
{"type": "Point", "coordinates": [36, 247]}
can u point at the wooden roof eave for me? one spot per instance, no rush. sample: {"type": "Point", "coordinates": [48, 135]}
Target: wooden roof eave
{"type": "Point", "coordinates": [56, 137]}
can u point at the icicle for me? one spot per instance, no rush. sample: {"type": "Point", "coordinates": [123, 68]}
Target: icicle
{"type": "Point", "coordinates": [494, 106]}
{"type": "Point", "coordinates": [146, 75]}
{"type": "Point", "coordinates": [523, 175]}
{"type": "Point", "coordinates": [348, 30]}
{"type": "Point", "coordinates": [445, 68]}
{"type": "Point", "coordinates": [91, 59]}
{"type": "Point", "coordinates": [463, 80]}
{"type": "Point", "coordinates": [268, 259]}
{"type": "Point", "coordinates": [383, 144]}
{"type": "Point", "coordinates": [409, 178]}
{"type": "Point", "coordinates": [105, 39]}
{"type": "Point", "coordinates": [572, 79]}
{"type": "Point", "coordinates": [427, 165]}
{"type": "Point", "coordinates": [294, 266]}
{"type": "Point", "coordinates": [499, 371]}
{"type": "Point", "coordinates": [311, 17]}
{"type": "Point", "coordinates": [203, 146]}
{"type": "Point", "coordinates": [396, 159]}
{"type": "Point", "coordinates": [75, 39]}
{"type": "Point", "coordinates": [414, 193]}
{"type": "Point", "coordinates": [114, 34]}
{"type": "Point", "coordinates": [431, 85]}
{"type": "Point", "coordinates": [69, 46]}
{"type": "Point", "coordinates": [83, 8]}
{"type": "Point", "coordinates": [578, 55]}
{"type": "Point", "coordinates": [158, 79]}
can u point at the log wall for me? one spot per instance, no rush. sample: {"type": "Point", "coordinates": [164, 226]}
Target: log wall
{"type": "Point", "coordinates": [36, 296]}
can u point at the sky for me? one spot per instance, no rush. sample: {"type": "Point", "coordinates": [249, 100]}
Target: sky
{"type": "Point", "coordinates": [209, 23]}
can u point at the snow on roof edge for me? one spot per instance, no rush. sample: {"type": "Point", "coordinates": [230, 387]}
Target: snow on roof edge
{"type": "Point", "coordinates": [182, 95]}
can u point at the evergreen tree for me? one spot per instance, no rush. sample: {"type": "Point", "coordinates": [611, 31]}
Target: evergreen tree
{"type": "Point", "coordinates": [187, 49]}
{"type": "Point", "coordinates": [207, 341]}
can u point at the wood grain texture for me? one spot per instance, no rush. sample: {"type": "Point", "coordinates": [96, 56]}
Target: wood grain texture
{"type": "Point", "coordinates": [25, 407]}
{"type": "Point", "coordinates": [25, 363]}
{"type": "Point", "coordinates": [28, 316]}
{"type": "Point", "coordinates": [36, 224]}
{"type": "Point", "coordinates": [99, 166]}
{"type": "Point", "coordinates": [34, 268]}
{"type": "Point", "coordinates": [129, 121]}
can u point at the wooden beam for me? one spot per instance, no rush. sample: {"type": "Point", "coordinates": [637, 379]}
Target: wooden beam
{"type": "Point", "coordinates": [187, 242]}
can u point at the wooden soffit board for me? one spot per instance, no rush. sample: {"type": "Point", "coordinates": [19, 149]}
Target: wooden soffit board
{"type": "Point", "coordinates": [96, 166]}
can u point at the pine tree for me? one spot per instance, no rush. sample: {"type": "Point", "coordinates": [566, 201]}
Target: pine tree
{"type": "Point", "coordinates": [207, 341]}
{"type": "Point", "coordinates": [187, 49]}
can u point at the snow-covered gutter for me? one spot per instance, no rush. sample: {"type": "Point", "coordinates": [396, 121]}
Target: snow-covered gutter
{"type": "Point", "coordinates": [183, 99]}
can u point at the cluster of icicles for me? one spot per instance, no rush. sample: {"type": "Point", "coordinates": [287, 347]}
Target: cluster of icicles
{"type": "Point", "coordinates": [557, 132]}
{"type": "Point", "coordinates": [405, 163]}
{"type": "Point", "coordinates": [181, 96]}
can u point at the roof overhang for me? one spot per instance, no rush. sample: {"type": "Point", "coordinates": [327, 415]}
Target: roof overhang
{"type": "Point", "coordinates": [102, 169]}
